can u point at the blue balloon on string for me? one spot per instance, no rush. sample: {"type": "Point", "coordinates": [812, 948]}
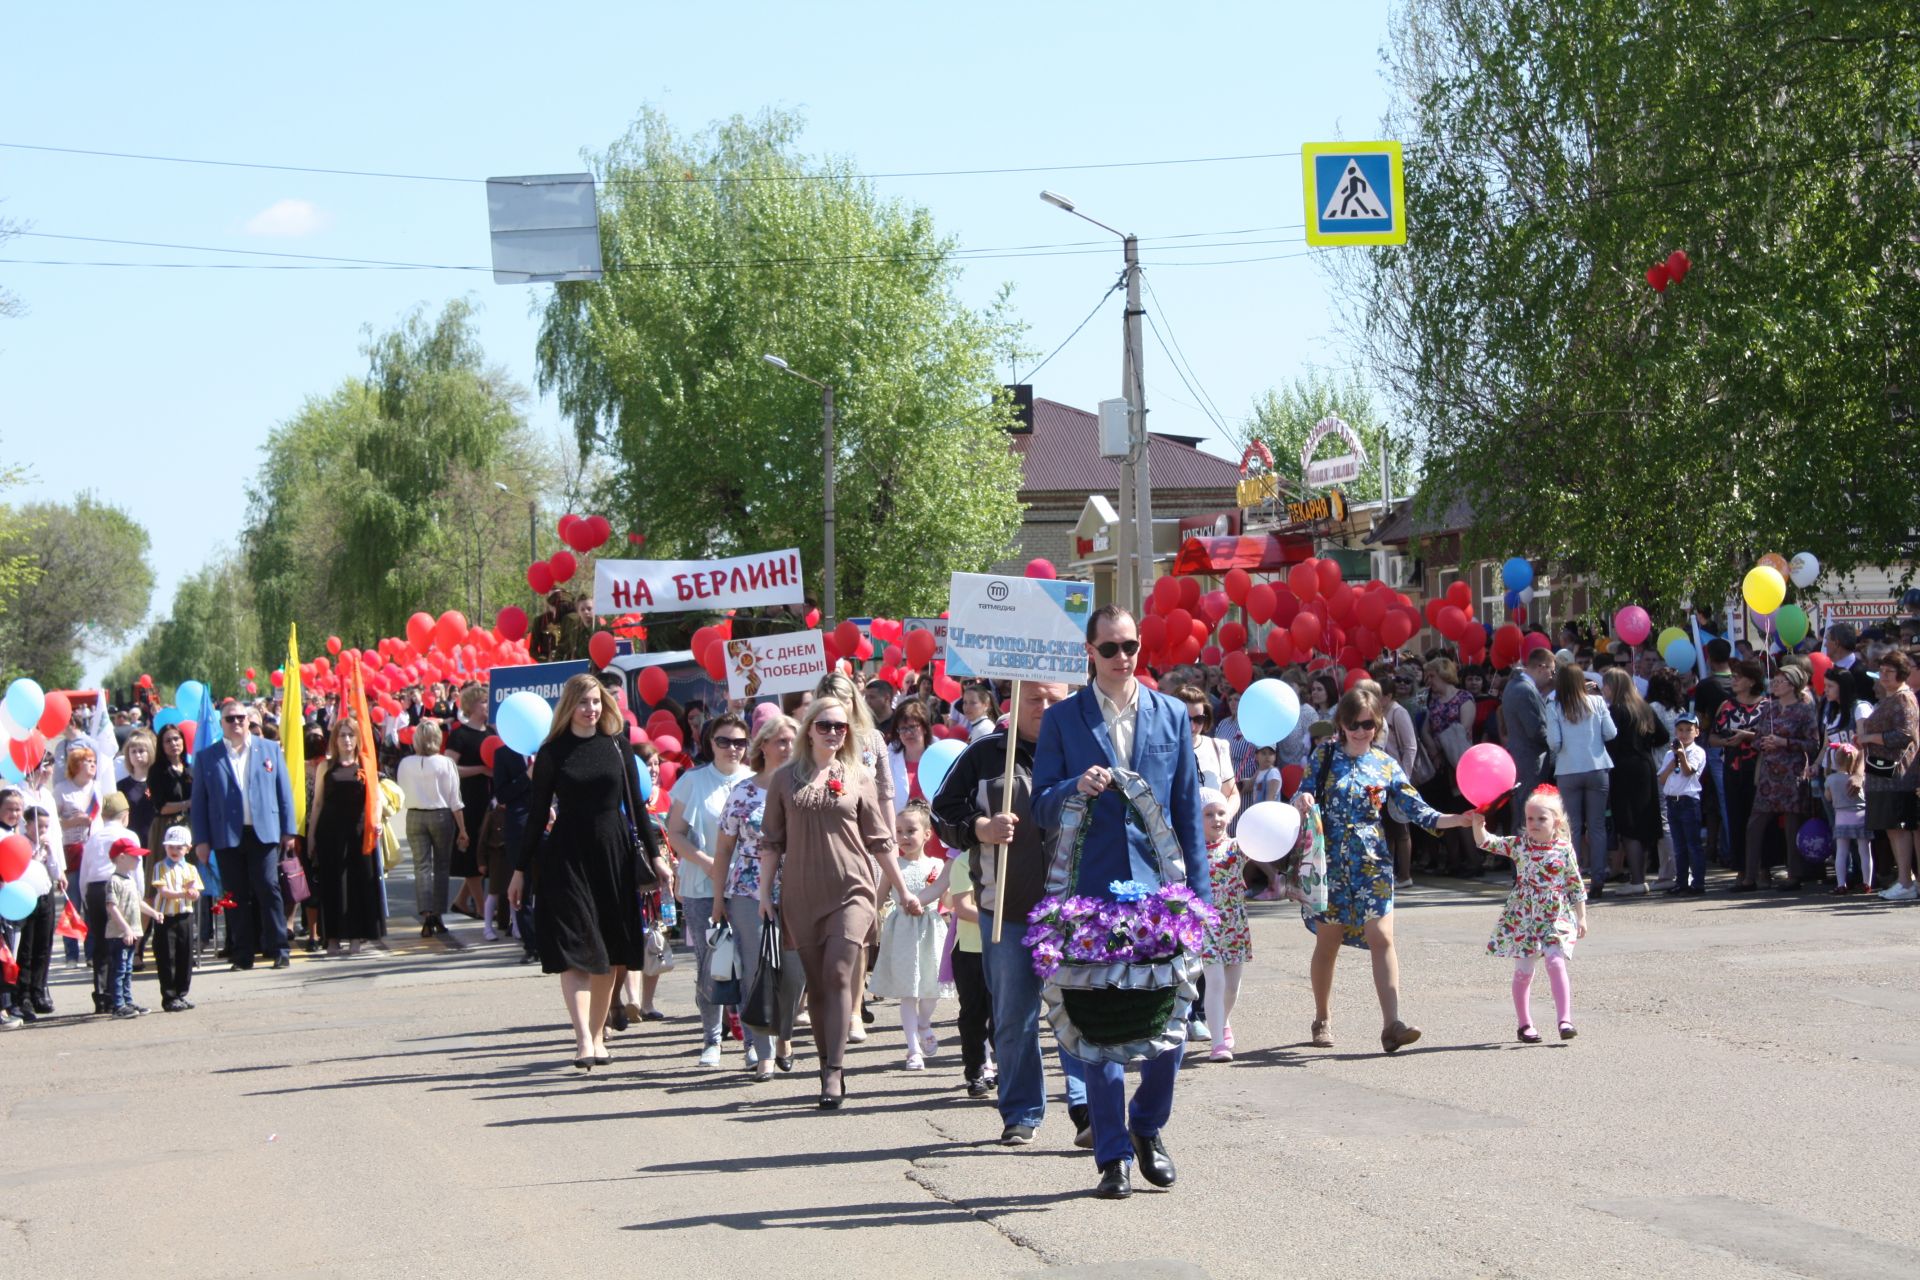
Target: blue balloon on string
{"type": "Point", "coordinates": [524, 720]}
{"type": "Point", "coordinates": [1517, 574]}
{"type": "Point", "coordinates": [17, 900]}
{"type": "Point", "coordinates": [1513, 598]}
{"type": "Point", "coordinates": [936, 762]}
{"type": "Point", "coordinates": [1680, 653]}
{"type": "Point", "coordinates": [1269, 709]}
{"type": "Point", "coordinates": [25, 702]}
{"type": "Point", "coordinates": [190, 697]}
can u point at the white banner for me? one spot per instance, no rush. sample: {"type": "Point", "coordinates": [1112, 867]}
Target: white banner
{"type": "Point", "coordinates": [936, 626]}
{"type": "Point", "coordinates": [1014, 628]}
{"type": "Point", "coordinates": [675, 586]}
{"type": "Point", "coordinates": [758, 666]}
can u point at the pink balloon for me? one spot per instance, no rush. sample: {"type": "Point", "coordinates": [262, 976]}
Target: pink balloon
{"type": "Point", "coordinates": [1632, 624]}
{"type": "Point", "coordinates": [1484, 774]}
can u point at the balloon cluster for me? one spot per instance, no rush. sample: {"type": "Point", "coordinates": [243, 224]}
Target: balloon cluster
{"type": "Point", "coordinates": [583, 534]}
{"type": "Point", "coordinates": [1670, 270]}
{"type": "Point", "coordinates": [29, 717]}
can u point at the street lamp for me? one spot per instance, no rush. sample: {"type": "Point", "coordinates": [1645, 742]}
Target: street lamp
{"type": "Point", "coordinates": [533, 544]}
{"type": "Point", "coordinates": [1134, 554]}
{"type": "Point", "coordinates": [826, 417]}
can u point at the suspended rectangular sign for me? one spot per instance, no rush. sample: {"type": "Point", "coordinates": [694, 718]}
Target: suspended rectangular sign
{"type": "Point", "coordinates": [760, 666]}
{"type": "Point", "coordinates": [677, 586]}
{"type": "Point", "coordinates": [544, 227]}
{"type": "Point", "coordinates": [938, 628]}
{"type": "Point", "coordinates": [1337, 470]}
{"type": "Point", "coordinates": [1013, 628]}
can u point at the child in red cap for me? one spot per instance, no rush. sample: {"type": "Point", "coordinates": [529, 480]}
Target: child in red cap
{"type": "Point", "coordinates": [124, 912]}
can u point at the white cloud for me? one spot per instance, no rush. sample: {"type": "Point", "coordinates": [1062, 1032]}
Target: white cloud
{"type": "Point", "coordinates": [290, 218]}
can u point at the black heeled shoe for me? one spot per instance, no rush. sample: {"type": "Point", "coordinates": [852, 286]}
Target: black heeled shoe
{"type": "Point", "coordinates": [583, 1064]}
{"type": "Point", "coordinates": [829, 1101]}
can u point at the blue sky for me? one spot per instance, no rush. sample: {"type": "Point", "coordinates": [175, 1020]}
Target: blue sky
{"type": "Point", "coordinates": [157, 386]}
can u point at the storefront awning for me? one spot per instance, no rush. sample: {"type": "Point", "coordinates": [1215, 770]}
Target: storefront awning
{"type": "Point", "coordinates": [1265, 553]}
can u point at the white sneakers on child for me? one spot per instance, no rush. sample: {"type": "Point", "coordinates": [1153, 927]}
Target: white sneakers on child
{"type": "Point", "coordinates": [929, 1043]}
{"type": "Point", "coordinates": [914, 1061]}
{"type": "Point", "coordinates": [1900, 893]}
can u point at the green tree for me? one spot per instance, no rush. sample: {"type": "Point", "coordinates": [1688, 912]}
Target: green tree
{"type": "Point", "coordinates": [380, 499]}
{"type": "Point", "coordinates": [211, 634]}
{"type": "Point", "coordinates": [18, 570]}
{"type": "Point", "coordinates": [1661, 441]}
{"type": "Point", "coordinates": [1283, 420]}
{"type": "Point", "coordinates": [730, 245]}
{"type": "Point", "coordinates": [87, 585]}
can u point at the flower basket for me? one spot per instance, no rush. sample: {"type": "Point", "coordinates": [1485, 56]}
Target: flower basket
{"type": "Point", "coordinates": [1120, 973]}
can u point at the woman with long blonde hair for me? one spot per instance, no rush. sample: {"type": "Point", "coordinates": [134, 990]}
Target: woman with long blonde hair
{"type": "Point", "coordinates": [827, 840]}
{"type": "Point", "coordinates": [582, 869]}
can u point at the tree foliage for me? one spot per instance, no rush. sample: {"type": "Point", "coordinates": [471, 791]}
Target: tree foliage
{"type": "Point", "coordinates": [1659, 441]}
{"type": "Point", "coordinates": [716, 257]}
{"type": "Point", "coordinates": [211, 634]}
{"type": "Point", "coordinates": [86, 585]}
{"type": "Point", "coordinates": [18, 569]}
{"type": "Point", "coordinates": [1284, 418]}
{"type": "Point", "coordinates": [380, 499]}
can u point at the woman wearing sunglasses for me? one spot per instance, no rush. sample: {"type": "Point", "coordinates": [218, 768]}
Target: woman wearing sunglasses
{"type": "Point", "coordinates": [1354, 783]}
{"type": "Point", "coordinates": [826, 839]}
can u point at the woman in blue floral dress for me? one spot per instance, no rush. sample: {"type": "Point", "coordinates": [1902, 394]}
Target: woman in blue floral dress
{"type": "Point", "coordinates": [1352, 783]}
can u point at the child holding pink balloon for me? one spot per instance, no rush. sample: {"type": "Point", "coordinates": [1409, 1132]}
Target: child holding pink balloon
{"type": "Point", "coordinates": [1546, 911]}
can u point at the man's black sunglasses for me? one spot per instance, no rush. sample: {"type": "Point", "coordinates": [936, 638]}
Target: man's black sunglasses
{"type": "Point", "coordinates": [1108, 648]}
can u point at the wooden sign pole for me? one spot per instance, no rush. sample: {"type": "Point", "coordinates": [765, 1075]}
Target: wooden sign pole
{"type": "Point", "coordinates": [1001, 852]}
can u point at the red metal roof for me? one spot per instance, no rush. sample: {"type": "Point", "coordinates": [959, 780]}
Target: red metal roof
{"type": "Point", "coordinates": [1264, 553]}
{"type": "Point", "coordinates": [1062, 455]}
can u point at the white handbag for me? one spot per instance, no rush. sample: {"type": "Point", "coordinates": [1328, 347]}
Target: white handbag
{"type": "Point", "coordinates": [723, 961]}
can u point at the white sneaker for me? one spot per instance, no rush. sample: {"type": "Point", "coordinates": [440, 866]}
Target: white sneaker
{"type": "Point", "coordinates": [490, 934]}
{"type": "Point", "coordinates": [857, 1034]}
{"type": "Point", "coordinates": [710, 1056]}
{"type": "Point", "coordinates": [929, 1044]}
{"type": "Point", "coordinates": [1900, 893]}
{"type": "Point", "coordinates": [915, 1063]}
{"type": "Point", "coordinates": [1632, 890]}
{"type": "Point", "coordinates": [1197, 1031]}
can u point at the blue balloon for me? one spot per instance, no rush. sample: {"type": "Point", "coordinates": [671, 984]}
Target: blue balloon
{"type": "Point", "coordinates": [190, 697]}
{"type": "Point", "coordinates": [643, 777]}
{"type": "Point", "coordinates": [1680, 654]}
{"type": "Point", "coordinates": [1513, 598]}
{"type": "Point", "coordinates": [936, 762]}
{"type": "Point", "coordinates": [1268, 711]}
{"type": "Point", "coordinates": [17, 900]}
{"type": "Point", "coordinates": [8, 769]}
{"type": "Point", "coordinates": [524, 721]}
{"type": "Point", "coordinates": [172, 715]}
{"type": "Point", "coordinates": [25, 703]}
{"type": "Point", "coordinates": [1516, 574]}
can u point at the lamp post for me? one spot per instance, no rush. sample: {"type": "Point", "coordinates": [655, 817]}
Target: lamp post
{"type": "Point", "coordinates": [1134, 555]}
{"type": "Point", "coordinates": [533, 544]}
{"type": "Point", "coordinates": [826, 417]}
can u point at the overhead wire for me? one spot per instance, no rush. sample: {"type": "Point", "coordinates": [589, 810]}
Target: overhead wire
{"type": "Point", "coordinates": [1111, 290]}
{"type": "Point", "coordinates": [1212, 409]}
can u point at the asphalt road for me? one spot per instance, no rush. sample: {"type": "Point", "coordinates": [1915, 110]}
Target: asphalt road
{"type": "Point", "coordinates": [1738, 1103]}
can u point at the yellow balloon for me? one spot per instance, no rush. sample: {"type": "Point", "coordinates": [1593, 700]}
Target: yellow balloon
{"type": "Point", "coordinates": [1764, 588]}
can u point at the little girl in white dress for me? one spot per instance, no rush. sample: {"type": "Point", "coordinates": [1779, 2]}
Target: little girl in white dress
{"type": "Point", "coordinates": [911, 946]}
{"type": "Point", "coordinates": [1546, 911]}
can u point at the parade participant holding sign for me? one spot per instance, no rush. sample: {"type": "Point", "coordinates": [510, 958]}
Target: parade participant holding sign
{"type": "Point", "coordinates": [1119, 723]}
{"type": "Point", "coordinates": [1354, 783]}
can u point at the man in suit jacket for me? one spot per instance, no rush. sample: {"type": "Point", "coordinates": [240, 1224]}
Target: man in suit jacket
{"type": "Point", "coordinates": [243, 816]}
{"type": "Point", "coordinates": [1118, 722]}
{"type": "Point", "coordinates": [1524, 708]}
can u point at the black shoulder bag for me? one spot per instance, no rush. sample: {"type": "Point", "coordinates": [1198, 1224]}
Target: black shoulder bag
{"type": "Point", "coordinates": [645, 878]}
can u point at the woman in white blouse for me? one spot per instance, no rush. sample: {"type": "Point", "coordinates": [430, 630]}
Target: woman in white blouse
{"type": "Point", "coordinates": [1212, 754]}
{"type": "Point", "coordinates": [435, 823]}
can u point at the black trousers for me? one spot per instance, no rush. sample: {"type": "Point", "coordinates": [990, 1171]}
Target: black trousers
{"type": "Point", "coordinates": [35, 951]}
{"type": "Point", "coordinates": [976, 1012]}
{"type": "Point", "coordinates": [98, 952]}
{"type": "Point", "coordinates": [173, 943]}
{"type": "Point", "coordinates": [257, 922]}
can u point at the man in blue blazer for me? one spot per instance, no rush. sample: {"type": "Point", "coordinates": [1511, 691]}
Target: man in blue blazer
{"type": "Point", "coordinates": [243, 816]}
{"type": "Point", "coordinates": [1118, 722]}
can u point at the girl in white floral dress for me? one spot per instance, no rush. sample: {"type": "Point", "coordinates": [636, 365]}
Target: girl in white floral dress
{"type": "Point", "coordinates": [1229, 943]}
{"type": "Point", "coordinates": [1546, 912]}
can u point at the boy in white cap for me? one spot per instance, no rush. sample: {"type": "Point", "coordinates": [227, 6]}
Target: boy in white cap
{"type": "Point", "coordinates": [177, 887]}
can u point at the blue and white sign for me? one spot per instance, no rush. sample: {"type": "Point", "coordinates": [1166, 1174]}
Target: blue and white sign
{"type": "Point", "coordinates": [543, 678]}
{"type": "Point", "coordinates": [1006, 627]}
{"type": "Point", "coordinates": [1355, 193]}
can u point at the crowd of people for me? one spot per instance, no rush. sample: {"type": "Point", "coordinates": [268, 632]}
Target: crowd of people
{"type": "Point", "coordinates": [797, 835]}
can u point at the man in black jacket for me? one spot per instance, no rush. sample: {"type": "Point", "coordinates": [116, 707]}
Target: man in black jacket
{"type": "Point", "coordinates": [968, 812]}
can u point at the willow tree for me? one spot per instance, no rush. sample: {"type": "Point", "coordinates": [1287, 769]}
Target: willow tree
{"type": "Point", "coordinates": [1661, 440]}
{"type": "Point", "coordinates": [725, 247]}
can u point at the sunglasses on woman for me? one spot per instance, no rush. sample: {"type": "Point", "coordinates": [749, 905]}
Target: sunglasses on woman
{"type": "Point", "coordinates": [1111, 648]}
{"type": "Point", "coordinates": [830, 728]}
{"type": "Point", "coordinates": [1363, 726]}
{"type": "Point", "coordinates": [732, 744]}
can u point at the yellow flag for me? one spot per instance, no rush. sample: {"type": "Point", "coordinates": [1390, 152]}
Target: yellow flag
{"type": "Point", "coordinates": [293, 729]}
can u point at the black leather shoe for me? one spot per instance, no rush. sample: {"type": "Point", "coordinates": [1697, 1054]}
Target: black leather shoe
{"type": "Point", "coordinates": [1156, 1166]}
{"type": "Point", "coordinates": [617, 1017]}
{"type": "Point", "coordinates": [1116, 1183]}
{"type": "Point", "coordinates": [282, 962]}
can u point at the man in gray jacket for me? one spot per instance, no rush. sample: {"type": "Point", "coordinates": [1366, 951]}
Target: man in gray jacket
{"type": "Point", "coordinates": [1525, 711]}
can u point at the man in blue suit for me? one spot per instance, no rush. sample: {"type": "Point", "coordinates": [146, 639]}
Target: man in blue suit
{"type": "Point", "coordinates": [1118, 722]}
{"type": "Point", "coordinates": [243, 816]}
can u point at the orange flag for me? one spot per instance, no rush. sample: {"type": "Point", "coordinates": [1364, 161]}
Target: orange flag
{"type": "Point", "coordinates": [369, 764]}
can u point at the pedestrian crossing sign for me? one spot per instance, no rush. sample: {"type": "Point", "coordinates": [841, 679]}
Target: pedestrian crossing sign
{"type": "Point", "coordinates": [1355, 193]}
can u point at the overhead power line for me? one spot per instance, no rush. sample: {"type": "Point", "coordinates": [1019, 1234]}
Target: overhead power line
{"type": "Point", "coordinates": [1111, 290]}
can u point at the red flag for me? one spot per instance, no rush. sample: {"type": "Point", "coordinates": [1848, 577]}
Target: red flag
{"type": "Point", "coordinates": [9, 971]}
{"type": "Point", "coordinates": [71, 925]}
{"type": "Point", "coordinates": [369, 764]}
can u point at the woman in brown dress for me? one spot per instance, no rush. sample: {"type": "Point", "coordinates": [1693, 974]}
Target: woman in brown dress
{"type": "Point", "coordinates": [828, 840]}
{"type": "Point", "coordinates": [1789, 742]}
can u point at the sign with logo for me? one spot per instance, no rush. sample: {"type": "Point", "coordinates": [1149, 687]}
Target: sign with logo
{"type": "Point", "coordinates": [1007, 628]}
{"type": "Point", "coordinates": [1214, 524]}
{"type": "Point", "coordinates": [938, 626]}
{"type": "Point", "coordinates": [543, 678]}
{"type": "Point", "coordinates": [676, 586]}
{"type": "Point", "coordinates": [1355, 193]}
{"type": "Point", "coordinates": [1253, 491]}
{"type": "Point", "coordinates": [1336, 470]}
{"type": "Point", "coordinates": [759, 666]}
{"type": "Point", "coordinates": [1328, 506]}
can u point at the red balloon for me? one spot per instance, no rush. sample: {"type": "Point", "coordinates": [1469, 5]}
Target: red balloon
{"type": "Point", "coordinates": [599, 529]}
{"type": "Point", "coordinates": [1189, 593]}
{"type": "Point", "coordinates": [1519, 614]}
{"type": "Point", "coordinates": [1280, 646]}
{"type": "Point", "coordinates": [1202, 631]}
{"type": "Point", "coordinates": [714, 660]}
{"type": "Point", "coordinates": [1395, 629]}
{"type": "Point", "coordinates": [1233, 637]}
{"type": "Point", "coordinates": [1536, 641]}
{"type": "Point", "coordinates": [406, 736]}
{"type": "Point", "coordinates": [450, 630]}
{"type": "Point", "coordinates": [1452, 622]}
{"type": "Point", "coordinates": [1677, 265]}
{"type": "Point", "coordinates": [1305, 579]}
{"type": "Point", "coordinates": [189, 730]}
{"type": "Point", "coordinates": [55, 714]}
{"type": "Point", "coordinates": [1187, 652]}
{"type": "Point", "coordinates": [1166, 594]}
{"type": "Point", "coordinates": [333, 644]}
{"type": "Point", "coordinates": [920, 647]}
{"type": "Point", "coordinates": [946, 688]}
{"type": "Point", "coordinates": [653, 685]}
{"type": "Point", "coordinates": [511, 622]}
{"type": "Point", "coordinates": [566, 525]}
{"type": "Point", "coordinates": [1340, 602]}
{"type": "Point", "coordinates": [1153, 634]}
{"type": "Point", "coordinates": [1261, 599]}
{"type": "Point", "coordinates": [1214, 604]}
{"type": "Point", "coordinates": [26, 752]}
{"type": "Point", "coordinates": [492, 743]}
{"type": "Point", "coordinates": [1459, 593]}
{"type": "Point", "coordinates": [1039, 568]}
{"type": "Point", "coordinates": [1179, 627]}
{"type": "Point", "coordinates": [540, 577]}
{"type": "Point", "coordinates": [1210, 655]}
{"type": "Point", "coordinates": [419, 627]}
{"type": "Point", "coordinates": [1238, 668]}
{"type": "Point", "coordinates": [600, 647]}
{"type": "Point", "coordinates": [1367, 642]}
{"type": "Point", "coordinates": [277, 679]}
{"type": "Point", "coordinates": [1306, 632]}
{"type": "Point", "coordinates": [1286, 607]}
{"type": "Point", "coordinates": [16, 853]}
{"type": "Point", "coordinates": [1236, 584]}
{"type": "Point", "coordinates": [563, 565]}
{"type": "Point", "coordinates": [846, 637]}
{"type": "Point", "coordinates": [1291, 776]}
{"type": "Point", "coordinates": [1354, 677]}
{"type": "Point", "coordinates": [863, 651]}
{"type": "Point", "coordinates": [252, 688]}
{"type": "Point", "coordinates": [1657, 277]}
{"type": "Point", "coordinates": [1330, 576]}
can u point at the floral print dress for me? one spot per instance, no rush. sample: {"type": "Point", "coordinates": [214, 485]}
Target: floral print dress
{"type": "Point", "coordinates": [1359, 866]}
{"type": "Point", "coordinates": [1229, 939]}
{"type": "Point", "coordinates": [1540, 909]}
{"type": "Point", "coordinates": [746, 808]}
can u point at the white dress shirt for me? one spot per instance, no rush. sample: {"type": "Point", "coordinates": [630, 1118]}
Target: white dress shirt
{"type": "Point", "coordinates": [239, 761]}
{"type": "Point", "coordinates": [429, 782]}
{"type": "Point", "coordinates": [1121, 721]}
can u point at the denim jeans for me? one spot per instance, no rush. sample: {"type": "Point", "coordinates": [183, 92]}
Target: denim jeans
{"type": "Point", "coordinates": [1015, 992]}
{"type": "Point", "coordinates": [1717, 771]}
{"type": "Point", "coordinates": [1585, 796]}
{"type": "Point", "coordinates": [744, 915]}
{"type": "Point", "coordinates": [1689, 842]}
{"type": "Point", "coordinates": [696, 915]}
{"type": "Point", "coordinates": [120, 972]}
{"type": "Point", "coordinates": [1113, 1120]}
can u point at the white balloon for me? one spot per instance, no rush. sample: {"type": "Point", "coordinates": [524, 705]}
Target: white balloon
{"type": "Point", "coordinates": [36, 879]}
{"type": "Point", "coordinates": [1268, 830]}
{"type": "Point", "coordinates": [1803, 569]}
{"type": "Point", "coordinates": [8, 728]}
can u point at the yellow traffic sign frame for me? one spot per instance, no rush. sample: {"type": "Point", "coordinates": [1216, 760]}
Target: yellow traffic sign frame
{"type": "Point", "coordinates": [1316, 200]}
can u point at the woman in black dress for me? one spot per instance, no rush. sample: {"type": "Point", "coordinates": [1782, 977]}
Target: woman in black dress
{"type": "Point", "coordinates": [582, 870]}
{"type": "Point", "coordinates": [346, 880]}
{"type": "Point", "coordinates": [466, 734]}
{"type": "Point", "coordinates": [1633, 791]}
